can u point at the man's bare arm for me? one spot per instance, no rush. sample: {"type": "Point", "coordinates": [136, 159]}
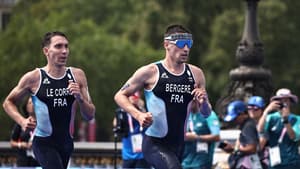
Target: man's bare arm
{"type": "Point", "coordinates": [141, 78]}
{"type": "Point", "coordinates": [81, 93]}
{"type": "Point", "coordinates": [24, 87]}
{"type": "Point", "coordinates": [199, 92]}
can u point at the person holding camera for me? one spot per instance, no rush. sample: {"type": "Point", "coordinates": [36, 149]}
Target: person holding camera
{"type": "Point", "coordinates": [132, 134]}
{"type": "Point", "coordinates": [282, 130]}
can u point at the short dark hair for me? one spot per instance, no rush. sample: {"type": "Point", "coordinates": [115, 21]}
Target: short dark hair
{"type": "Point", "coordinates": [47, 37]}
{"type": "Point", "coordinates": [176, 28]}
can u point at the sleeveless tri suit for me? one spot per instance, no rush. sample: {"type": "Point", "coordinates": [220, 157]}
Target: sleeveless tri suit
{"type": "Point", "coordinates": [167, 101]}
{"type": "Point", "coordinates": [53, 142]}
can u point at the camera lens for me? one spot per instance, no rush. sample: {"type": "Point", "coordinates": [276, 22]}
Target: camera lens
{"type": "Point", "coordinates": [282, 105]}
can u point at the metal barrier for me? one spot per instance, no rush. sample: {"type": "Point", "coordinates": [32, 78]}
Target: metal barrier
{"type": "Point", "coordinates": [85, 155]}
{"type": "Point", "coordinates": [101, 154]}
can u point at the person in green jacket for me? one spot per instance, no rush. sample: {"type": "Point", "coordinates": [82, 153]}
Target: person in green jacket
{"type": "Point", "coordinates": [201, 135]}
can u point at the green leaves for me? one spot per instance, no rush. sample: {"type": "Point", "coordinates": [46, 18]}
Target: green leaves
{"type": "Point", "coordinates": [109, 40]}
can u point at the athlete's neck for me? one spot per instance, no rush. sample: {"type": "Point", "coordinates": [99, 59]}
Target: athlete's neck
{"type": "Point", "coordinates": [173, 67]}
{"type": "Point", "coordinates": [55, 71]}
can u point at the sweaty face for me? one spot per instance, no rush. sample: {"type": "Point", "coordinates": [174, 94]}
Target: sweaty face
{"type": "Point", "coordinates": [58, 50]}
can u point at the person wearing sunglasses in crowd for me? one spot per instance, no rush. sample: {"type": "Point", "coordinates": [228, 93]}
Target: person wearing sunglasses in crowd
{"type": "Point", "coordinates": [246, 146]}
{"type": "Point", "coordinates": [169, 85]}
{"type": "Point", "coordinates": [255, 107]}
{"type": "Point", "coordinates": [282, 130]}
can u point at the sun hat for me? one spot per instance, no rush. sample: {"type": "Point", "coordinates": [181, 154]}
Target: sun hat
{"type": "Point", "coordinates": [234, 109]}
{"type": "Point", "coordinates": [285, 93]}
{"type": "Point", "coordinates": [256, 101]}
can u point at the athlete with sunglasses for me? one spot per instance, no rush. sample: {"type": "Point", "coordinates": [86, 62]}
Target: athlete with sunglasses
{"type": "Point", "coordinates": [169, 85]}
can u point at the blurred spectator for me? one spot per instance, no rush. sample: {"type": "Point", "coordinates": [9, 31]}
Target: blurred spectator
{"type": "Point", "coordinates": [282, 130]}
{"type": "Point", "coordinates": [244, 152]}
{"type": "Point", "coordinates": [22, 140]}
{"type": "Point", "coordinates": [132, 134]}
{"type": "Point", "coordinates": [255, 107]}
{"type": "Point", "coordinates": [200, 137]}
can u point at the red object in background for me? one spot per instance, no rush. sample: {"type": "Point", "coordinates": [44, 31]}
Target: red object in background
{"type": "Point", "coordinates": [82, 134]}
{"type": "Point", "coordinates": [92, 130]}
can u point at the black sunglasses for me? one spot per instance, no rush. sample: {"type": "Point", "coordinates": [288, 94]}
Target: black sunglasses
{"type": "Point", "coordinates": [255, 108]}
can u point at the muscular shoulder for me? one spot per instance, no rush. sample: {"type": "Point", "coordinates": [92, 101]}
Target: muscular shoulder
{"type": "Point", "coordinates": [198, 75]}
{"type": "Point", "coordinates": [30, 80]}
{"type": "Point", "coordinates": [196, 70]}
{"type": "Point", "coordinates": [78, 73]}
{"type": "Point", "coordinates": [144, 76]}
{"type": "Point", "coordinates": [32, 75]}
{"type": "Point", "coordinates": [79, 76]}
{"type": "Point", "coordinates": [76, 70]}
{"type": "Point", "coordinates": [148, 70]}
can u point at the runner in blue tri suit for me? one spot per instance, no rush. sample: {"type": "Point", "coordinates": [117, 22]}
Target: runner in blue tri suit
{"type": "Point", "coordinates": [56, 92]}
{"type": "Point", "coordinates": [170, 85]}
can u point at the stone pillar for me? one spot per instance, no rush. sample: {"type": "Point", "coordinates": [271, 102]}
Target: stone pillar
{"type": "Point", "coordinates": [250, 78]}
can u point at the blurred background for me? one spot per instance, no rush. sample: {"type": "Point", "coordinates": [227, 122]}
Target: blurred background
{"type": "Point", "coordinates": [110, 39]}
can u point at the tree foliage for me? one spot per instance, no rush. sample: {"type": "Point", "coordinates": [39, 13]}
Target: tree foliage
{"type": "Point", "coordinates": [110, 39]}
